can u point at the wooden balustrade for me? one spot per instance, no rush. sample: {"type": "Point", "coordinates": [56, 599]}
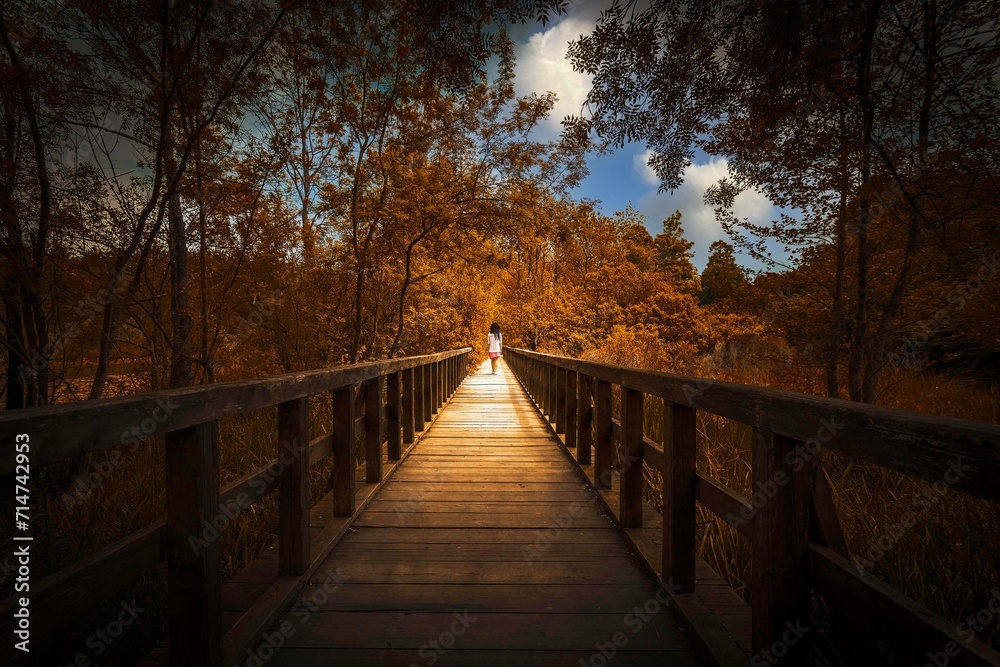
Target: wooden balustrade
{"type": "Point", "coordinates": [397, 397]}
{"type": "Point", "coordinates": [787, 560]}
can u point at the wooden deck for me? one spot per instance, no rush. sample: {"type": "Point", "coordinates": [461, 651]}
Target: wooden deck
{"type": "Point", "coordinates": [485, 547]}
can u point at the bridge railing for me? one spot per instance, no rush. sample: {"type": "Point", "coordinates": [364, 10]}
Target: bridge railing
{"type": "Point", "coordinates": [797, 541]}
{"type": "Point", "coordinates": [389, 401]}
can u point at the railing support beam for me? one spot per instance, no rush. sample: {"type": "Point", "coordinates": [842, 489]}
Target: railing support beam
{"type": "Point", "coordinates": [343, 451]}
{"type": "Point", "coordinates": [194, 559]}
{"type": "Point", "coordinates": [678, 493]}
{"type": "Point", "coordinates": [630, 494]}
{"type": "Point", "coordinates": [293, 487]}
{"type": "Point", "coordinates": [780, 565]}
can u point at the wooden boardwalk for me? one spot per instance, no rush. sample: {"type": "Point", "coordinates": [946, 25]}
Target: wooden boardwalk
{"type": "Point", "coordinates": [485, 547]}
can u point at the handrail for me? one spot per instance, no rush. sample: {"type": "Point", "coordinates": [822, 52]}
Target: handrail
{"type": "Point", "coordinates": [83, 426]}
{"type": "Point", "coordinates": [914, 443]}
{"type": "Point", "coordinates": [398, 396]}
{"type": "Point", "coordinates": [791, 522]}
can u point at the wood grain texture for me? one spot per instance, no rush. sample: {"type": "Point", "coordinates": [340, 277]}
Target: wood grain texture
{"type": "Point", "coordinates": [922, 445]}
{"type": "Point", "coordinates": [85, 426]}
{"type": "Point", "coordinates": [479, 521]}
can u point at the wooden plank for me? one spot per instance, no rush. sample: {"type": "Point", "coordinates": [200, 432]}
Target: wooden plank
{"type": "Point", "coordinates": [410, 534]}
{"type": "Point", "coordinates": [603, 445]}
{"type": "Point", "coordinates": [293, 494]}
{"type": "Point", "coordinates": [679, 496]}
{"type": "Point", "coordinates": [393, 415]}
{"type": "Point", "coordinates": [560, 411]}
{"type": "Point", "coordinates": [418, 399]}
{"type": "Point", "coordinates": [408, 407]}
{"type": "Point", "coordinates": [427, 384]}
{"type": "Point", "coordinates": [342, 480]}
{"type": "Point", "coordinates": [571, 410]}
{"type": "Point", "coordinates": [630, 465]}
{"type": "Point", "coordinates": [725, 503]}
{"type": "Point", "coordinates": [780, 568]}
{"type": "Point", "coordinates": [540, 519]}
{"type": "Point", "coordinates": [374, 436]}
{"type": "Point", "coordinates": [495, 631]}
{"type": "Point", "coordinates": [532, 598]}
{"type": "Point", "coordinates": [194, 563]}
{"type": "Point", "coordinates": [585, 419]}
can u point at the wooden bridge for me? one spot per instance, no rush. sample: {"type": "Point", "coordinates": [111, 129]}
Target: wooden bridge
{"type": "Point", "coordinates": [500, 518]}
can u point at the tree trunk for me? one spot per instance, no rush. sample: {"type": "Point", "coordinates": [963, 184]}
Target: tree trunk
{"type": "Point", "coordinates": [880, 344]}
{"type": "Point", "coordinates": [837, 315]}
{"type": "Point", "coordinates": [181, 325]}
{"type": "Point", "coordinates": [860, 340]}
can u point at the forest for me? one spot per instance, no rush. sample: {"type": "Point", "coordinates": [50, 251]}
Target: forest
{"type": "Point", "coordinates": [199, 191]}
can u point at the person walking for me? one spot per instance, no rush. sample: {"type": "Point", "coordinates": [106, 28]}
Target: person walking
{"type": "Point", "coordinates": [495, 339]}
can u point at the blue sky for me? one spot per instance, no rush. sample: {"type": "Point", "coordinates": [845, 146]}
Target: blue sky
{"type": "Point", "coordinates": [623, 176]}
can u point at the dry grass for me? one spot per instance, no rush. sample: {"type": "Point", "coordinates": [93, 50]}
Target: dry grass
{"type": "Point", "coordinates": [71, 526]}
{"type": "Point", "coordinates": [942, 550]}
{"type": "Point", "coordinates": [949, 560]}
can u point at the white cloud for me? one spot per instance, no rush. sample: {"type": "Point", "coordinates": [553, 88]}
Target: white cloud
{"type": "Point", "coordinates": [698, 219]}
{"type": "Point", "coordinates": [542, 66]}
{"type": "Point", "coordinates": [643, 170]}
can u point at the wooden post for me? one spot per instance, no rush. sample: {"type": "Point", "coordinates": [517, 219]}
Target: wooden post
{"type": "Point", "coordinates": [780, 564]}
{"type": "Point", "coordinates": [604, 447]}
{"type": "Point", "coordinates": [293, 487]}
{"type": "Point", "coordinates": [678, 495]}
{"type": "Point", "coordinates": [393, 416]}
{"type": "Point", "coordinates": [585, 418]}
{"type": "Point", "coordinates": [543, 388]}
{"type": "Point", "coordinates": [343, 451]}
{"type": "Point", "coordinates": [552, 393]}
{"type": "Point", "coordinates": [630, 465]}
{"type": "Point", "coordinates": [440, 384]}
{"type": "Point", "coordinates": [373, 431]}
{"type": "Point", "coordinates": [560, 399]}
{"type": "Point", "coordinates": [449, 375]}
{"type": "Point", "coordinates": [571, 409]}
{"type": "Point", "coordinates": [194, 560]}
{"type": "Point", "coordinates": [428, 397]}
{"type": "Point", "coordinates": [408, 409]}
{"type": "Point", "coordinates": [435, 392]}
{"type": "Point", "coordinates": [418, 398]}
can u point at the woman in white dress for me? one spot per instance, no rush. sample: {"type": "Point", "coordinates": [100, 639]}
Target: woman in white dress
{"type": "Point", "coordinates": [495, 339]}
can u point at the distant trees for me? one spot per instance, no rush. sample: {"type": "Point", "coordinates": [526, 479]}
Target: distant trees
{"type": "Point", "coordinates": [722, 276]}
{"type": "Point", "coordinates": [197, 191]}
{"type": "Point", "coordinates": [874, 121]}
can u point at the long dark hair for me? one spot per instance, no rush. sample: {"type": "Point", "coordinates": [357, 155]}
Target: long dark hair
{"type": "Point", "coordinates": [495, 329]}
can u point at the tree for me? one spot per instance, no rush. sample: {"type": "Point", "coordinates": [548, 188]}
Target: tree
{"type": "Point", "coordinates": [722, 276]}
{"type": "Point", "coordinates": [675, 250]}
{"type": "Point", "coordinates": [868, 105]}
